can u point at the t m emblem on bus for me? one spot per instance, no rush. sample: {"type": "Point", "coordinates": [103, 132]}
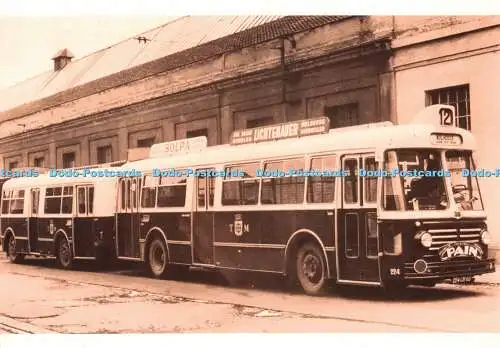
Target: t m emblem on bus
{"type": "Point", "coordinates": [238, 228]}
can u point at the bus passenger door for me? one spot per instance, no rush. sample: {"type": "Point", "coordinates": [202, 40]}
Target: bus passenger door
{"type": "Point", "coordinates": [84, 232]}
{"type": "Point", "coordinates": [127, 231]}
{"type": "Point", "coordinates": [357, 233]}
{"type": "Point", "coordinates": [203, 220]}
{"type": "Point", "coordinates": [33, 219]}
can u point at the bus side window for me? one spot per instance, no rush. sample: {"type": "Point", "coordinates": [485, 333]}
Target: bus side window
{"type": "Point", "coordinates": [52, 201]}
{"type": "Point", "coordinates": [35, 199]}
{"type": "Point", "coordinates": [370, 182]}
{"type": "Point", "coordinates": [287, 189]}
{"type": "Point", "coordinates": [171, 192]}
{"type": "Point", "coordinates": [241, 190]}
{"type": "Point", "coordinates": [91, 199]}
{"type": "Point", "coordinates": [81, 200]}
{"type": "Point", "coordinates": [149, 192]}
{"type": "Point", "coordinates": [123, 194]}
{"type": "Point", "coordinates": [321, 189]}
{"type": "Point", "coordinates": [67, 200]}
{"type": "Point", "coordinates": [5, 201]}
{"type": "Point", "coordinates": [351, 181]}
{"type": "Point", "coordinates": [371, 235]}
{"type": "Point", "coordinates": [17, 202]}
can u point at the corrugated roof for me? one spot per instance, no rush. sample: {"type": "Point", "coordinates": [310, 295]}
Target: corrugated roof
{"type": "Point", "coordinates": [174, 44]}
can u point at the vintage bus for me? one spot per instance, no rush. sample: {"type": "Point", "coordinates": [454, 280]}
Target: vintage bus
{"type": "Point", "coordinates": [64, 217]}
{"type": "Point", "coordinates": [379, 205]}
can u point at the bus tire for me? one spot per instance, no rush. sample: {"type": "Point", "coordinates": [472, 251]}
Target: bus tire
{"type": "Point", "coordinates": [64, 254]}
{"type": "Point", "coordinates": [158, 258]}
{"type": "Point", "coordinates": [14, 256]}
{"type": "Point", "coordinates": [311, 271]}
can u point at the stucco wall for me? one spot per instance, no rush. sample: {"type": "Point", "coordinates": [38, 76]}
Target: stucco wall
{"type": "Point", "coordinates": [472, 59]}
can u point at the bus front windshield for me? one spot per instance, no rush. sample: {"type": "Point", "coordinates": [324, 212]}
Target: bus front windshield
{"type": "Point", "coordinates": [415, 180]}
{"type": "Point", "coordinates": [464, 186]}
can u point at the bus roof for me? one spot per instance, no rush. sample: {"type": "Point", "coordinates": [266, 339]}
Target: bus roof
{"type": "Point", "coordinates": [46, 180]}
{"type": "Point", "coordinates": [362, 138]}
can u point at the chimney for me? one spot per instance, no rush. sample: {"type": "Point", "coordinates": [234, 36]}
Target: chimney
{"type": "Point", "coordinates": [61, 59]}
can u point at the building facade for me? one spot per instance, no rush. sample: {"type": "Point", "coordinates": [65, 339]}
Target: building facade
{"type": "Point", "coordinates": [211, 75]}
{"type": "Point", "coordinates": [456, 61]}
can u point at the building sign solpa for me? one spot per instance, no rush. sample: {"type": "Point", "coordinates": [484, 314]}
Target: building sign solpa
{"type": "Point", "coordinates": [178, 147]}
{"type": "Point", "coordinates": [294, 129]}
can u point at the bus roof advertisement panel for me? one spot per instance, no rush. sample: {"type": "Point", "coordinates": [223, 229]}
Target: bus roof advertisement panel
{"type": "Point", "coordinates": [286, 130]}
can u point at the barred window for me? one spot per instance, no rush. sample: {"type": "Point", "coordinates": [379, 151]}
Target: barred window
{"type": "Point", "coordinates": [458, 97]}
{"type": "Point", "coordinates": [69, 160]}
{"type": "Point", "coordinates": [104, 154]}
{"type": "Point", "coordinates": [241, 190]}
{"type": "Point", "coordinates": [286, 188]}
{"type": "Point", "coordinates": [321, 188]}
{"type": "Point", "coordinates": [260, 122]}
{"type": "Point", "coordinates": [345, 115]}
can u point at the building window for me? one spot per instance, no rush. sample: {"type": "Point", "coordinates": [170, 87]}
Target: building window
{"type": "Point", "coordinates": [458, 97]}
{"type": "Point", "coordinates": [342, 115]}
{"type": "Point", "coordinates": [13, 165]}
{"type": "Point", "coordinates": [260, 122]}
{"type": "Point", "coordinates": [104, 154]}
{"type": "Point", "coordinates": [39, 162]}
{"type": "Point", "coordinates": [148, 142]}
{"type": "Point", "coordinates": [197, 133]}
{"type": "Point", "coordinates": [69, 160]}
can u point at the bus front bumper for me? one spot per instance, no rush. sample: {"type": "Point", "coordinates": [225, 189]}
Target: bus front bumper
{"type": "Point", "coordinates": [447, 270]}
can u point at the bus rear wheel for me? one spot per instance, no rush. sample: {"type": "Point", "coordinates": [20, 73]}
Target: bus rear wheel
{"type": "Point", "coordinates": [64, 254]}
{"type": "Point", "coordinates": [311, 269]}
{"type": "Point", "coordinates": [14, 256]}
{"type": "Point", "coordinates": [158, 258]}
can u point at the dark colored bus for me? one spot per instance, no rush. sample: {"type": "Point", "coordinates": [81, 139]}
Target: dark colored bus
{"type": "Point", "coordinates": [378, 205]}
{"type": "Point", "coordinates": [63, 217]}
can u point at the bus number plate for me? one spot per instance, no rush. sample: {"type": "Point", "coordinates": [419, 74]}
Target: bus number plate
{"type": "Point", "coordinates": [463, 280]}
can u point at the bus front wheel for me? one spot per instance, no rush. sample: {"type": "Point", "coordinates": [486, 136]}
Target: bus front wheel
{"type": "Point", "coordinates": [158, 258]}
{"type": "Point", "coordinates": [14, 256]}
{"type": "Point", "coordinates": [64, 253]}
{"type": "Point", "coordinates": [311, 269]}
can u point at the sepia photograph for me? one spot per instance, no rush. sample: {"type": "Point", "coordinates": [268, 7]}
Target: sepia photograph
{"type": "Point", "coordinates": [180, 171]}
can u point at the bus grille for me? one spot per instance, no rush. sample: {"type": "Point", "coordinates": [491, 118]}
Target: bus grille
{"type": "Point", "coordinates": [441, 237]}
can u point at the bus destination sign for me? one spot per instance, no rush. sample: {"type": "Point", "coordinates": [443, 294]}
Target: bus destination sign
{"type": "Point", "coordinates": [177, 147]}
{"type": "Point", "coordinates": [286, 130]}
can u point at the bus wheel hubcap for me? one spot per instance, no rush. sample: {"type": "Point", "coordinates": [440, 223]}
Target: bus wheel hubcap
{"type": "Point", "coordinates": [158, 258]}
{"type": "Point", "coordinates": [12, 247]}
{"type": "Point", "coordinates": [312, 269]}
{"type": "Point", "coordinates": [64, 253]}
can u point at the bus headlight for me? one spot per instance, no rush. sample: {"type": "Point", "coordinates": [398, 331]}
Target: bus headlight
{"type": "Point", "coordinates": [426, 239]}
{"type": "Point", "coordinates": [486, 237]}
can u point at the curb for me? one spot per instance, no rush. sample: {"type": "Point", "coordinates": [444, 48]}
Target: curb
{"type": "Point", "coordinates": [20, 327]}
